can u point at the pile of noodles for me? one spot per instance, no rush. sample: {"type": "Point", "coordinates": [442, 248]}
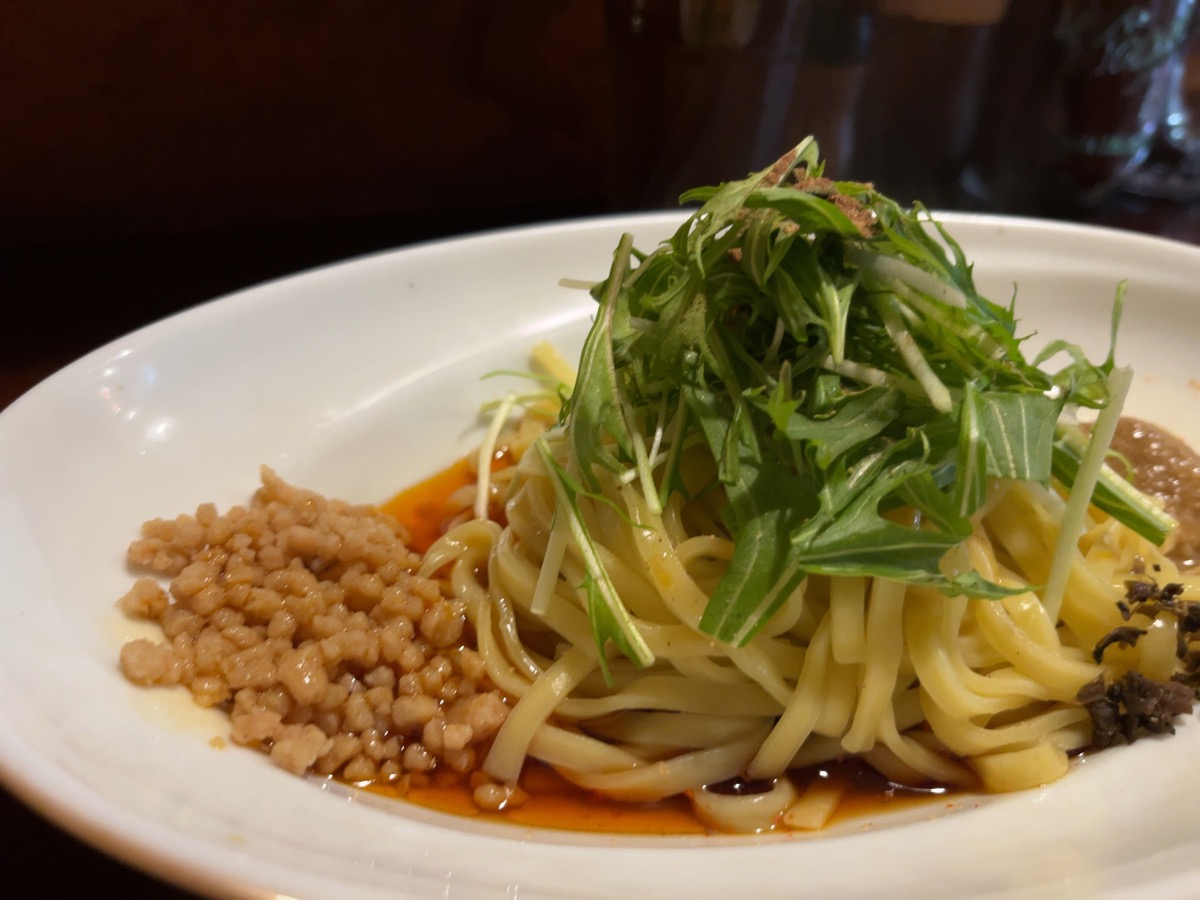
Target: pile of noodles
{"type": "Point", "coordinates": [922, 687]}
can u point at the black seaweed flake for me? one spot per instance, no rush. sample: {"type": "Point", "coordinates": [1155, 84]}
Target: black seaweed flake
{"type": "Point", "coordinates": [1135, 705]}
{"type": "Point", "coordinates": [1125, 635]}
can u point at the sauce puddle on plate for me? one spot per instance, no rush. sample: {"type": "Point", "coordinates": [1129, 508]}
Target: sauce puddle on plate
{"type": "Point", "coordinates": [555, 803]}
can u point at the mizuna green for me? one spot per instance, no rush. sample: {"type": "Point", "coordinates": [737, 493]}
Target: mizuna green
{"type": "Point", "coordinates": [829, 349]}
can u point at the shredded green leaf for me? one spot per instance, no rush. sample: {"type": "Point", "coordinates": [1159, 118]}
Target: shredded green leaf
{"type": "Point", "coordinates": [609, 618]}
{"type": "Point", "coordinates": [830, 352]}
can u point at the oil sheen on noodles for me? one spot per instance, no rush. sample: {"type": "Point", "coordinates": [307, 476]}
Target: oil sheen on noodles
{"type": "Point", "coordinates": [921, 684]}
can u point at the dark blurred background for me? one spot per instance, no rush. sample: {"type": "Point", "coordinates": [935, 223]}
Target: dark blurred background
{"type": "Point", "coordinates": [157, 154]}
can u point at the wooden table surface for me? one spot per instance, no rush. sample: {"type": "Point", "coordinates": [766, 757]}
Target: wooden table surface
{"type": "Point", "coordinates": [74, 299]}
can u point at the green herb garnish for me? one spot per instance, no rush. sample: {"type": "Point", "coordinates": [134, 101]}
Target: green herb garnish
{"type": "Point", "coordinates": [830, 351]}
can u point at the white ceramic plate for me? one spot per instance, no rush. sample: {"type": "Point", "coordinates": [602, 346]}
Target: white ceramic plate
{"type": "Point", "coordinates": [361, 378]}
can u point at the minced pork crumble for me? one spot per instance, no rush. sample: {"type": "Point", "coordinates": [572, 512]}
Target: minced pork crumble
{"type": "Point", "coordinates": [304, 618]}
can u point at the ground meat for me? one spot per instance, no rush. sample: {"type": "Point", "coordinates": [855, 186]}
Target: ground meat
{"type": "Point", "coordinates": [303, 618]}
